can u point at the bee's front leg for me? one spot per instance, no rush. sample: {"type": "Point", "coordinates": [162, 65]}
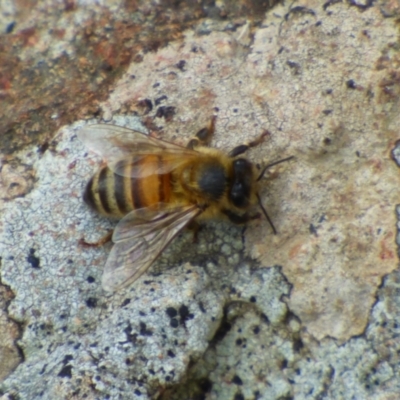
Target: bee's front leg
{"type": "Point", "coordinates": [203, 136]}
{"type": "Point", "coordinates": [242, 148]}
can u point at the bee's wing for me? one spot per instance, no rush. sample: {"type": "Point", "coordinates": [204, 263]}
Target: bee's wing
{"type": "Point", "coordinates": [116, 142]}
{"type": "Point", "coordinates": [125, 149]}
{"type": "Point", "coordinates": [139, 239]}
{"type": "Point", "coordinates": [142, 165]}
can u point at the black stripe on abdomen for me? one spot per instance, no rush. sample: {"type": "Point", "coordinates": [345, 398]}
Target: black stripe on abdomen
{"type": "Point", "coordinates": [88, 195]}
{"type": "Point", "coordinates": [103, 190]}
{"type": "Point", "coordinates": [120, 191]}
{"type": "Point", "coordinates": [135, 182]}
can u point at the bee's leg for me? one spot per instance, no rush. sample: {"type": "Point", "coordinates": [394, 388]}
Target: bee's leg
{"type": "Point", "coordinates": [105, 239]}
{"type": "Point", "coordinates": [243, 218]}
{"type": "Point", "coordinates": [240, 218]}
{"type": "Point", "coordinates": [195, 227]}
{"type": "Point", "coordinates": [203, 136]}
{"type": "Point", "coordinates": [244, 147]}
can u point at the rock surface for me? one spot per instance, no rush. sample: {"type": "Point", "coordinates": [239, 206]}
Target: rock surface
{"type": "Point", "coordinates": [242, 314]}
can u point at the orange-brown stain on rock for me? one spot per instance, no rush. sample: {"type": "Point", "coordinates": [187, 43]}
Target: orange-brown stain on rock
{"type": "Point", "coordinates": [386, 252]}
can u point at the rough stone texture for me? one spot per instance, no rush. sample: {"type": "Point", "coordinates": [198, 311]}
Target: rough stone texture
{"type": "Point", "coordinates": [59, 59]}
{"type": "Point", "coordinates": [335, 208]}
{"type": "Point", "coordinates": [338, 68]}
{"type": "Point", "coordinates": [9, 333]}
{"type": "Point", "coordinates": [312, 314]}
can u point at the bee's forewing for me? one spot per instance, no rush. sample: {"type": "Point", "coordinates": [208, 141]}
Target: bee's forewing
{"type": "Point", "coordinates": [110, 141]}
{"type": "Point", "coordinates": [131, 153]}
{"type": "Point", "coordinates": [116, 142]}
{"type": "Point", "coordinates": [142, 165]}
{"type": "Point", "coordinates": [139, 239]}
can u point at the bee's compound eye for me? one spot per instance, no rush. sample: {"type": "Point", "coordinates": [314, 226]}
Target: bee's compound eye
{"type": "Point", "coordinates": [241, 165]}
{"type": "Point", "coordinates": [242, 181]}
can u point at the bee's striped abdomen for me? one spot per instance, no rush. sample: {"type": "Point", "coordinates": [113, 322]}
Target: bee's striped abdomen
{"type": "Point", "coordinates": [116, 194]}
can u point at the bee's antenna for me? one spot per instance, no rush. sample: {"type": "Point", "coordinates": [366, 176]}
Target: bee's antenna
{"type": "Point", "coordinates": [271, 165]}
{"type": "Point", "coordinates": [265, 213]}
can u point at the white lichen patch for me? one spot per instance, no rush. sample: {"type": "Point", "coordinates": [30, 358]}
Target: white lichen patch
{"type": "Point", "coordinates": [72, 329]}
{"type": "Point", "coordinates": [140, 339]}
{"type": "Point", "coordinates": [261, 358]}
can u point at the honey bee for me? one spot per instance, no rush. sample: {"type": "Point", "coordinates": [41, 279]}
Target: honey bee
{"type": "Point", "coordinates": [157, 188]}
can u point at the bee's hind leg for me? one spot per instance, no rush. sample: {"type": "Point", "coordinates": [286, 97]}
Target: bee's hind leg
{"type": "Point", "coordinates": [203, 136]}
{"type": "Point", "coordinates": [105, 239]}
{"type": "Point", "coordinates": [242, 148]}
{"type": "Point", "coordinates": [195, 227]}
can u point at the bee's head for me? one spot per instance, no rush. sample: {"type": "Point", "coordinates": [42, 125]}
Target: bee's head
{"type": "Point", "coordinates": [240, 191]}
